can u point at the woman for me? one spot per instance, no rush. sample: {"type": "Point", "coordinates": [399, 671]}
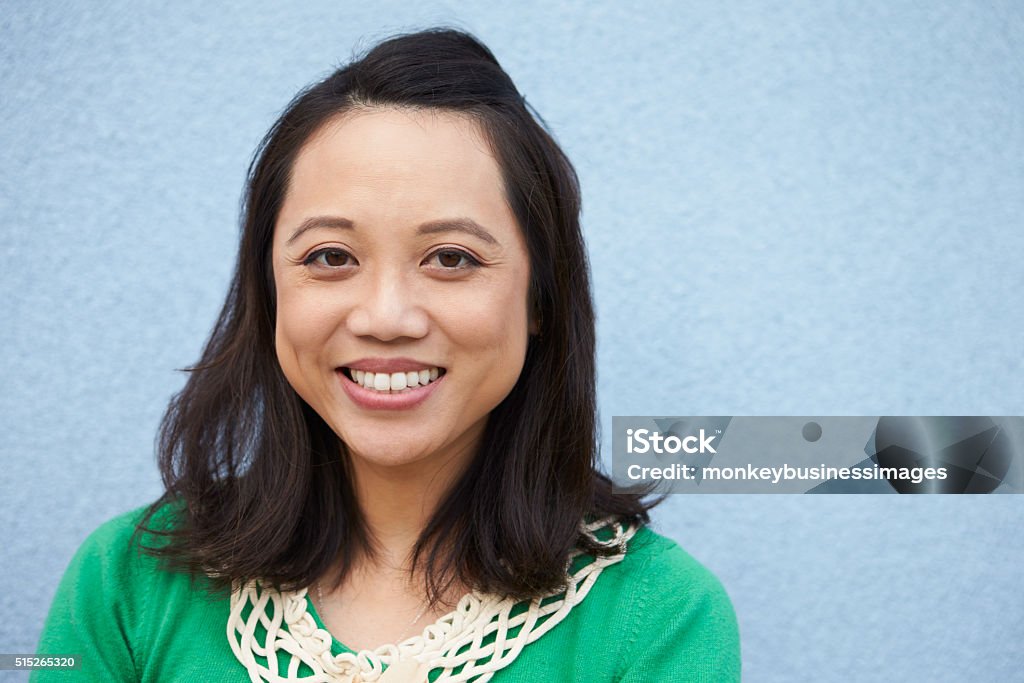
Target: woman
{"type": "Point", "coordinates": [383, 467]}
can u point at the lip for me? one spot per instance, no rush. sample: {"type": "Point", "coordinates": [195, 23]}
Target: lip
{"type": "Point", "coordinates": [390, 365]}
{"type": "Point", "coordinates": [378, 400]}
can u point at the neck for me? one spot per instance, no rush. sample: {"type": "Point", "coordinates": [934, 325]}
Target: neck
{"type": "Point", "coordinates": [397, 501]}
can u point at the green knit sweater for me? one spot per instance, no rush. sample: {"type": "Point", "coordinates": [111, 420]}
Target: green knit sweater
{"type": "Point", "coordinates": [657, 615]}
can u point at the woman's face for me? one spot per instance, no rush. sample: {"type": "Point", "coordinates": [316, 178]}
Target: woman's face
{"type": "Point", "coordinates": [402, 277]}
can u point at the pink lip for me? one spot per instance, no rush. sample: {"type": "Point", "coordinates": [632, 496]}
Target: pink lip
{"type": "Point", "coordinates": [389, 365]}
{"type": "Point", "coordinates": [393, 400]}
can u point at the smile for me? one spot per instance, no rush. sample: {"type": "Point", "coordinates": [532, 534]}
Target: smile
{"type": "Point", "coordinates": [392, 382]}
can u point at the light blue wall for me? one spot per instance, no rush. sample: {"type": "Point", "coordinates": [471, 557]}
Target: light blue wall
{"type": "Point", "coordinates": [792, 208]}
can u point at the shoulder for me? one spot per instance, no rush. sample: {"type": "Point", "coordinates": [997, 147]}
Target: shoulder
{"type": "Point", "coordinates": [655, 565]}
{"type": "Point", "coordinates": [113, 535]}
{"type": "Point", "coordinates": [132, 618]}
{"type": "Point", "coordinates": [95, 609]}
{"type": "Point", "coordinates": [675, 619]}
{"type": "Point", "coordinates": [116, 547]}
{"type": "Point", "coordinates": [118, 559]}
{"type": "Point", "coordinates": [112, 562]}
{"type": "Point", "coordinates": [102, 602]}
{"type": "Point", "coordinates": [110, 550]}
{"type": "Point", "coordinates": [660, 563]}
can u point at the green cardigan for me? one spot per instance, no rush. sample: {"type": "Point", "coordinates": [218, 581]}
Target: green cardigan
{"type": "Point", "coordinates": [657, 615]}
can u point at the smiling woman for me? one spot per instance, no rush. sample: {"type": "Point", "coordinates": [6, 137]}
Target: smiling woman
{"type": "Point", "coordinates": [384, 467]}
{"type": "Point", "coordinates": [403, 265]}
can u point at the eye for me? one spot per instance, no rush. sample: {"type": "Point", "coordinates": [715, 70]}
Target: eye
{"type": "Point", "coordinates": [453, 259]}
{"type": "Point", "coordinates": [331, 257]}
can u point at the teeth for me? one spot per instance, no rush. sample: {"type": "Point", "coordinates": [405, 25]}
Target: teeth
{"type": "Point", "coordinates": [395, 381]}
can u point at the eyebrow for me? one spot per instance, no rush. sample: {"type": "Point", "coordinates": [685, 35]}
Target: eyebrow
{"type": "Point", "coordinates": [464, 225]}
{"type": "Point", "coordinates": [336, 222]}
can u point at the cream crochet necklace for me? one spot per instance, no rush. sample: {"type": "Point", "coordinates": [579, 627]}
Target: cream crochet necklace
{"type": "Point", "coordinates": [271, 631]}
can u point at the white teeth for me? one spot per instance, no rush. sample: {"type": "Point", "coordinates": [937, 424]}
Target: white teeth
{"type": "Point", "coordinates": [395, 381]}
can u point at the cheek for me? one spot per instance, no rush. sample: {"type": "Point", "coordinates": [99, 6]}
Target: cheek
{"type": "Point", "coordinates": [300, 334]}
{"type": "Point", "coordinates": [492, 326]}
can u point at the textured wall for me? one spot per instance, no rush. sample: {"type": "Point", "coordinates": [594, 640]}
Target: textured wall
{"type": "Point", "coordinates": [792, 208]}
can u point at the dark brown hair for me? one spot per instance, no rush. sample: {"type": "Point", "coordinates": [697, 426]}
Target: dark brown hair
{"type": "Point", "coordinates": [259, 481]}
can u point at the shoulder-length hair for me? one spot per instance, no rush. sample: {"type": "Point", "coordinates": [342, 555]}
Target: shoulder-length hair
{"type": "Point", "coordinates": [262, 485]}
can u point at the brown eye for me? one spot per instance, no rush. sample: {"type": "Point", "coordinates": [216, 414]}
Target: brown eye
{"type": "Point", "coordinates": [449, 259]}
{"type": "Point", "coordinates": [330, 258]}
{"type": "Point", "coordinates": [335, 258]}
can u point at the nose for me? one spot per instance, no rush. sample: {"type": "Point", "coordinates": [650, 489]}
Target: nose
{"type": "Point", "coordinates": [387, 309]}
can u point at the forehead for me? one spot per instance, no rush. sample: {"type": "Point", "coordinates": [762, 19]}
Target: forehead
{"type": "Point", "coordinates": [396, 164]}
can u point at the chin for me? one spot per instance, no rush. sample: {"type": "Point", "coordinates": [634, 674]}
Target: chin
{"type": "Point", "coordinates": [386, 451]}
